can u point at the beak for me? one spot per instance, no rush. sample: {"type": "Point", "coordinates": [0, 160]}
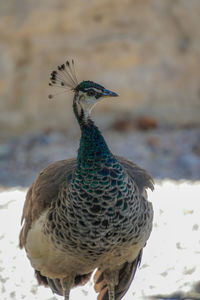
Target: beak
{"type": "Point", "coordinates": [107, 93]}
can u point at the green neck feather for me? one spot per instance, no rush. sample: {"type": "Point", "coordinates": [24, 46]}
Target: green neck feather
{"type": "Point", "coordinates": [93, 147]}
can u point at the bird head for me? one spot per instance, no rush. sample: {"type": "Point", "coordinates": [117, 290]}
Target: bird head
{"type": "Point", "coordinates": [86, 93]}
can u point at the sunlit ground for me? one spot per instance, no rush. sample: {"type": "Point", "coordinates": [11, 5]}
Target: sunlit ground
{"type": "Point", "coordinates": [171, 260]}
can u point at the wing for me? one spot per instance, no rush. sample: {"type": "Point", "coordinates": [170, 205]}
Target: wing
{"type": "Point", "coordinates": [43, 191]}
{"type": "Point", "coordinates": [142, 178]}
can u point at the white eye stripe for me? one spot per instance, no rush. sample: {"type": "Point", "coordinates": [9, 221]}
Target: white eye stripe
{"type": "Point", "coordinates": [94, 89]}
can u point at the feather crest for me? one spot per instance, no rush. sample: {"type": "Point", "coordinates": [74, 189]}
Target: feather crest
{"type": "Point", "coordinates": [64, 77]}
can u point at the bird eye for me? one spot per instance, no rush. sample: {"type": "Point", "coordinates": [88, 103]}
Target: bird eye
{"type": "Point", "coordinates": [91, 93]}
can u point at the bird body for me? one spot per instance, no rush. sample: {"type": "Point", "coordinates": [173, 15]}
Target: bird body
{"type": "Point", "coordinates": [88, 213]}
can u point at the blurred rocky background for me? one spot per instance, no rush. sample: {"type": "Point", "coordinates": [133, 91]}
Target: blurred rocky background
{"type": "Point", "coordinates": [148, 51]}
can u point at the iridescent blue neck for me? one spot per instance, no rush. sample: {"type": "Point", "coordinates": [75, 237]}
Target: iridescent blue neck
{"type": "Point", "coordinates": [93, 147]}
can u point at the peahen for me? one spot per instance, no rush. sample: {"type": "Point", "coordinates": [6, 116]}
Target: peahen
{"type": "Point", "coordinates": [87, 213]}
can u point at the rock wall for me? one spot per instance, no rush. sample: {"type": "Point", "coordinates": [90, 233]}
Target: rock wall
{"type": "Point", "coordinates": [148, 51]}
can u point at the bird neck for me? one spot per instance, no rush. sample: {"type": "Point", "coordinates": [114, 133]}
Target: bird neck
{"type": "Point", "coordinates": [93, 147]}
{"type": "Point", "coordinates": [92, 144]}
{"type": "Point", "coordinates": [79, 112]}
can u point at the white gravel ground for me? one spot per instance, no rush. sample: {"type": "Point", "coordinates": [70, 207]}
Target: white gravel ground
{"type": "Point", "coordinates": [171, 260]}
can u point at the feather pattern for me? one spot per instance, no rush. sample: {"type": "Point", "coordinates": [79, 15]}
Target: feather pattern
{"type": "Point", "coordinates": [89, 212]}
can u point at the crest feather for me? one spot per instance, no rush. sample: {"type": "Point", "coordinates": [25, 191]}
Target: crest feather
{"type": "Point", "coordinates": [64, 77]}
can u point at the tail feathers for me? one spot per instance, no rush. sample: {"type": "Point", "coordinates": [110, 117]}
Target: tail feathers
{"type": "Point", "coordinates": [126, 275]}
{"type": "Point", "coordinates": [41, 279]}
{"type": "Point", "coordinates": [55, 284]}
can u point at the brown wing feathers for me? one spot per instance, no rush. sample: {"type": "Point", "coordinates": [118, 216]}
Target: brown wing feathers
{"type": "Point", "coordinates": [43, 191]}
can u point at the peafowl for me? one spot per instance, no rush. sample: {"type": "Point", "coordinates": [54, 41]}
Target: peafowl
{"type": "Point", "coordinates": [88, 213]}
